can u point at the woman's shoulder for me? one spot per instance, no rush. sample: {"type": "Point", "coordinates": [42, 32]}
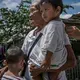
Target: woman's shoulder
{"type": "Point", "coordinates": [30, 34]}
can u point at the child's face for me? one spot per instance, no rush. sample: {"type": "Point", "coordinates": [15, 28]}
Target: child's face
{"type": "Point", "coordinates": [48, 12]}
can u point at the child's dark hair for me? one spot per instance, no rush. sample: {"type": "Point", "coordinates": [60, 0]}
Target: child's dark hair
{"type": "Point", "coordinates": [14, 54]}
{"type": "Point", "coordinates": [55, 3]}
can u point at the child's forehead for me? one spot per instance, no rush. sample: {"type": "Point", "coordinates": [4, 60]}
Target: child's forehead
{"type": "Point", "coordinates": [45, 5]}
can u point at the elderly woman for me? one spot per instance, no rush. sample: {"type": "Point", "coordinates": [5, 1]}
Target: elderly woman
{"type": "Point", "coordinates": [35, 72]}
{"type": "Point", "coordinates": [36, 20]}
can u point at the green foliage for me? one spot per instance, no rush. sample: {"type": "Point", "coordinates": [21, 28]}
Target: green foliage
{"type": "Point", "coordinates": [14, 24]}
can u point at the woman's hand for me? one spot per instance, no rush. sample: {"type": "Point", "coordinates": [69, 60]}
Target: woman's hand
{"type": "Point", "coordinates": [46, 65]}
{"type": "Point", "coordinates": [35, 71]}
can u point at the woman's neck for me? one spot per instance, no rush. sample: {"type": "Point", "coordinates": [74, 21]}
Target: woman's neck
{"type": "Point", "coordinates": [40, 27]}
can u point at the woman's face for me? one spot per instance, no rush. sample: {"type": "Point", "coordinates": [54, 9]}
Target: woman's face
{"type": "Point", "coordinates": [35, 17]}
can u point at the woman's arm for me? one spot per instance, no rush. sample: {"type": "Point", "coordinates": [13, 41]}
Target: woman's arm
{"type": "Point", "coordinates": [71, 59]}
{"type": "Point", "coordinates": [71, 62]}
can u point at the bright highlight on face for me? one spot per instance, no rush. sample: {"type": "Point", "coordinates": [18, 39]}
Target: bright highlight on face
{"type": "Point", "coordinates": [35, 16]}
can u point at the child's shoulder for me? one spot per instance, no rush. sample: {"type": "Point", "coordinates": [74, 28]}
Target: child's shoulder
{"type": "Point", "coordinates": [55, 24]}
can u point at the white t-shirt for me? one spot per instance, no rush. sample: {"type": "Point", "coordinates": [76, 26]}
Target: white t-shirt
{"type": "Point", "coordinates": [53, 41]}
{"type": "Point", "coordinates": [56, 40]}
{"type": "Point", "coordinates": [6, 77]}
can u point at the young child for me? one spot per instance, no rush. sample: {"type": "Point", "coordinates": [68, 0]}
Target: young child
{"type": "Point", "coordinates": [15, 61]}
{"type": "Point", "coordinates": [53, 50]}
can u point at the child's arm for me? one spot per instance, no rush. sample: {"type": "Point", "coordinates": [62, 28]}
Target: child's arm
{"type": "Point", "coordinates": [71, 62]}
{"type": "Point", "coordinates": [47, 61]}
{"type": "Point", "coordinates": [44, 65]}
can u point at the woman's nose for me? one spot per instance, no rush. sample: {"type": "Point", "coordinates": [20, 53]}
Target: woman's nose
{"type": "Point", "coordinates": [30, 15]}
{"type": "Point", "coordinates": [43, 14]}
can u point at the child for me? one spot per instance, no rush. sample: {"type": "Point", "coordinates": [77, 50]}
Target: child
{"type": "Point", "coordinates": [53, 50]}
{"type": "Point", "coordinates": [15, 61]}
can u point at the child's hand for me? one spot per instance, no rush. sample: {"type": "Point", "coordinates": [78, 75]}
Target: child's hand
{"type": "Point", "coordinates": [46, 64]}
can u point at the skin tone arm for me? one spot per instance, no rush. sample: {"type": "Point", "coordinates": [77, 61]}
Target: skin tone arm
{"type": "Point", "coordinates": [46, 63]}
{"type": "Point", "coordinates": [73, 32]}
{"type": "Point", "coordinates": [71, 59]}
{"type": "Point", "coordinates": [71, 62]}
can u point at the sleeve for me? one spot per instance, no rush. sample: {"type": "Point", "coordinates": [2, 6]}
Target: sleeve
{"type": "Point", "coordinates": [66, 39]}
{"type": "Point", "coordinates": [50, 39]}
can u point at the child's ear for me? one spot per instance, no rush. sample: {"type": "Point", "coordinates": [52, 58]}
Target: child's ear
{"type": "Point", "coordinates": [58, 10]}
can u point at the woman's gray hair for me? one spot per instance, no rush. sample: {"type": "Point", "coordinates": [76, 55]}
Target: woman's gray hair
{"type": "Point", "coordinates": [36, 3]}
